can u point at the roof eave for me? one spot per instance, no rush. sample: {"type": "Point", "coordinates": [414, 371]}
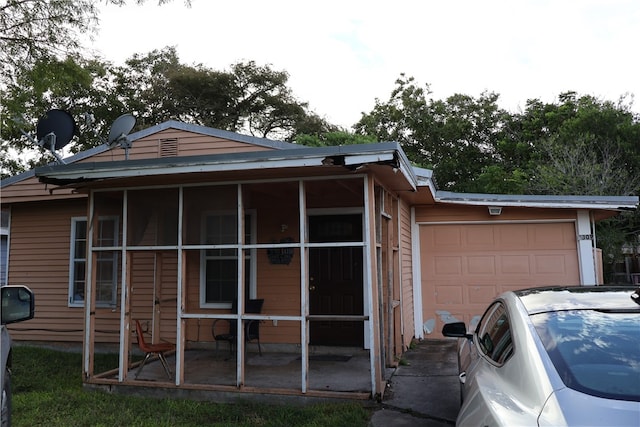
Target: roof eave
{"type": "Point", "coordinates": [539, 201]}
{"type": "Point", "coordinates": [349, 156]}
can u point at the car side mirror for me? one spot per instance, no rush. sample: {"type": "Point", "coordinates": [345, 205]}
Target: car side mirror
{"type": "Point", "coordinates": [456, 330]}
{"type": "Point", "coordinates": [17, 303]}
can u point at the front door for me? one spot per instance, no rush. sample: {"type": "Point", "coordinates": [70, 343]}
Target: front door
{"type": "Point", "coordinates": [335, 279]}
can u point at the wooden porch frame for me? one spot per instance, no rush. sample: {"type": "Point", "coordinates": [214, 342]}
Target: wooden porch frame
{"type": "Point", "coordinates": [369, 265]}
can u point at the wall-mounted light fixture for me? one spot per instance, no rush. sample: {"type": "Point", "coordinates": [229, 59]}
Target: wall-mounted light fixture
{"type": "Point", "coordinates": [495, 210]}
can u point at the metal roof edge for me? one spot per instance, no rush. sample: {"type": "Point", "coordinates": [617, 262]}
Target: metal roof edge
{"type": "Point", "coordinates": [300, 156]}
{"type": "Point", "coordinates": [547, 201]}
{"type": "Point", "coordinates": [68, 160]}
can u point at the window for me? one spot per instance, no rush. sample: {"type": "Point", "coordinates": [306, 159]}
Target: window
{"type": "Point", "coordinates": [595, 352]}
{"type": "Point", "coordinates": [494, 335]}
{"type": "Point", "coordinates": [106, 263]}
{"type": "Point", "coordinates": [219, 267]}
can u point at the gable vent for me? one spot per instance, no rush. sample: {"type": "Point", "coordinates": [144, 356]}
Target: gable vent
{"type": "Point", "coordinates": [169, 147]}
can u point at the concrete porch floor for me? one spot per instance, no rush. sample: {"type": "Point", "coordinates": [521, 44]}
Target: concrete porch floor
{"type": "Point", "coordinates": [337, 374]}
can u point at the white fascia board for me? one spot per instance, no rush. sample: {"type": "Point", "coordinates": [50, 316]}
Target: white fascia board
{"type": "Point", "coordinates": [564, 202]}
{"type": "Point", "coordinates": [367, 158]}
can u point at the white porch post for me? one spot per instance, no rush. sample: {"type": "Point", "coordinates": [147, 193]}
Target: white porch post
{"type": "Point", "coordinates": [370, 265]}
{"type": "Point", "coordinates": [181, 294]}
{"type": "Point", "coordinates": [124, 295]}
{"type": "Point", "coordinates": [88, 290]}
{"type": "Point", "coordinates": [417, 277]}
{"type": "Point", "coordinates": [585, 241]}
{"type": "Point", "coordinates": [304, 295]}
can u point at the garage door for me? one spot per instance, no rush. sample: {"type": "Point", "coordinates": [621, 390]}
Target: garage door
{"type": "Point", "coordinates": [465, 266]}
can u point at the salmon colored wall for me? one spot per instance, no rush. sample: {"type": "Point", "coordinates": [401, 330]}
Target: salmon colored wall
{"type": "Point", "coordinates": [188, 144]}
{"type": "Point", "coordinates": [30, 189]}
{"type": "Point", "coordinates": [39, 258]}
{"type": "Point", "coordinates": [406, 277]}
{"type": "Point", "coordinates": [445, 213]}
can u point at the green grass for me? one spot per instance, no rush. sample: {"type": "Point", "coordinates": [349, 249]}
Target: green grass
{"type": "Point", "coordinates": [47, 391]}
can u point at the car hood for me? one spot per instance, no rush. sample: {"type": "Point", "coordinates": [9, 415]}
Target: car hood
{"type": "Point", "coordinates": [567, 407]}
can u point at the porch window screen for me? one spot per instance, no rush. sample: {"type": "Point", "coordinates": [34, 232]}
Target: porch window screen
{"type": "Point", "coordinates": [221, 264]}
{"type": "Point", "coordinates": [106, 263]}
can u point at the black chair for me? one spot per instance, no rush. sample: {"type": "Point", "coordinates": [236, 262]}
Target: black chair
{"type": "Point", "coordinates": [226, 329]}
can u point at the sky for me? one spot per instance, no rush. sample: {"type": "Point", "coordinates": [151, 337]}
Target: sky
{"type": "Point", "coordinates": [343, 55]}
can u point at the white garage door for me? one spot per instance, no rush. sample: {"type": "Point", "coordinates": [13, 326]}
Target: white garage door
{"type": "Point", "coordinates": [465, 266]}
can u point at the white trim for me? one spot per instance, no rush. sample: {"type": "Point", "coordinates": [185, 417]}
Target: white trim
{"type": "Point", "coordinates": [124, 309]}
{"type": "Point", "coordinates": [507, 221]}
{"type": "Point", "coordinates": [304, 287]}
{"type": "Point", "coordinates": [417, 276]}
{"type": "Point", "coordinates": [584, 245]}
{"type": "Point", "coordinates": [368, 279]}
{"type": "Point", "coordinates": [71, 301]}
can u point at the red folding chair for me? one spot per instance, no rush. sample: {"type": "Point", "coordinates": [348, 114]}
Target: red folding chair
{"type": "Point", "coordinates": [151, 350]}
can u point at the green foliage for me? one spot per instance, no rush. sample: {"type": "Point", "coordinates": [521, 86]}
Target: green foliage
{"type": "Point", "coordinates": [456, 137]}
{"type": "Point", "coordinates": [33, 30]}
{"type": "Point", "coordinates": [48, 390]}
{"type": "Point", "coordinates": [247, 98]}
{"type": "Point", "coordinates": [578, 145]}
{"type": "Point", "coordinates": [155, 87]}
{"type": "Point", "coordinates": [334, 139]}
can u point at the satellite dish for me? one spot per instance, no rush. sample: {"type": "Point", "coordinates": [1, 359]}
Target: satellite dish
{"type": "Point", "coordinates": [119, 133]}
{"type": "Point", "coordinates": [55, 130]}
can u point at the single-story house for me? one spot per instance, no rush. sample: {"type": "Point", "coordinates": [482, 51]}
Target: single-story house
{"type": "Point", "coordinates": [352, 249]}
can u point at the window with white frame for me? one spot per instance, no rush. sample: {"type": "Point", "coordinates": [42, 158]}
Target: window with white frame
{"type": "Point", "coordinates": [219, 266]}
{"type": "Point", "coordinates": [106, 261]}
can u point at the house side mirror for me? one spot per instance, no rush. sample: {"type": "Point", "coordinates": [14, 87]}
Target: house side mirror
{"type": "Point", "coordinates": [456, 330]}
{"type": "Point", "coordinates": [17, 303]}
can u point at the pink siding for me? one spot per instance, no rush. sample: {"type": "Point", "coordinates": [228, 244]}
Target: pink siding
{"type": "Point", "coordinates": [406, 276]}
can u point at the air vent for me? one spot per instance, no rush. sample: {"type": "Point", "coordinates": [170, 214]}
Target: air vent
{"type": "Point", "coordinates": [169, 147]}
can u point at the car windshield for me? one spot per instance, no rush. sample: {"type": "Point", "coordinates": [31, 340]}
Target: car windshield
{"type": "Point", "coordinates": [595, 352]}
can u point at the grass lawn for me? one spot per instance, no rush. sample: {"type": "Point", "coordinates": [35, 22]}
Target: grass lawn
{"type": "Point", "coordinates": [47, 391]}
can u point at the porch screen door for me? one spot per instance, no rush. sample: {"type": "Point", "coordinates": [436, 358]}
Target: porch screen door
{"type": "Point", "coordinates": [336, 280]}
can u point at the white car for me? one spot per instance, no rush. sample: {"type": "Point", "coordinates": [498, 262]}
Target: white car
{"type": "Point", "coordinates": [566, 356]}
{"type": "Point", "coordinates": [16, 305]}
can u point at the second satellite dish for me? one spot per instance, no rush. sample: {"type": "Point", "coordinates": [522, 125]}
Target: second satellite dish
{"type": "Point", "coordinates": [120, 129]}
{"type": "Point", "coordinates": [119, 133]}
{"type": "Point", "coordinates": [57, 127]}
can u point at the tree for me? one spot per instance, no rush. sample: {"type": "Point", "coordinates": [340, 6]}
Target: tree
{"type": "Point", "coordinates": [248, 98]}
{"type": "Point", "coordinates": [456, 137]}
{"type": "Point", "coordinates": [154, 87]}
{"type": "Point", "coordinates": [34, 29]}
{"type": "Point", "coordinates": [336, 138]}
{"type": "Point", "coordinates": [81, 87]}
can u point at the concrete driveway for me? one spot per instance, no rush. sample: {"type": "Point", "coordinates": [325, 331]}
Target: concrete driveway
{"type": "Point", "coordinates": [424, 390]}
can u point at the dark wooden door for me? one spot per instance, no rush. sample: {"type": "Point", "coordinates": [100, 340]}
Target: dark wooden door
{"type": "Point", "coordinates": [335, 280]}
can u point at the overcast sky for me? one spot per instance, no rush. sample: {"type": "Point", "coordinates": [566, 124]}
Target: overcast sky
{"type": "Point", "coordinates": [342, 55]}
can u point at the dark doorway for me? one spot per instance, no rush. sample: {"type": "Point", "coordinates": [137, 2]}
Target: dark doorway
{"type": "Point", "coordinates": [335, 279]}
